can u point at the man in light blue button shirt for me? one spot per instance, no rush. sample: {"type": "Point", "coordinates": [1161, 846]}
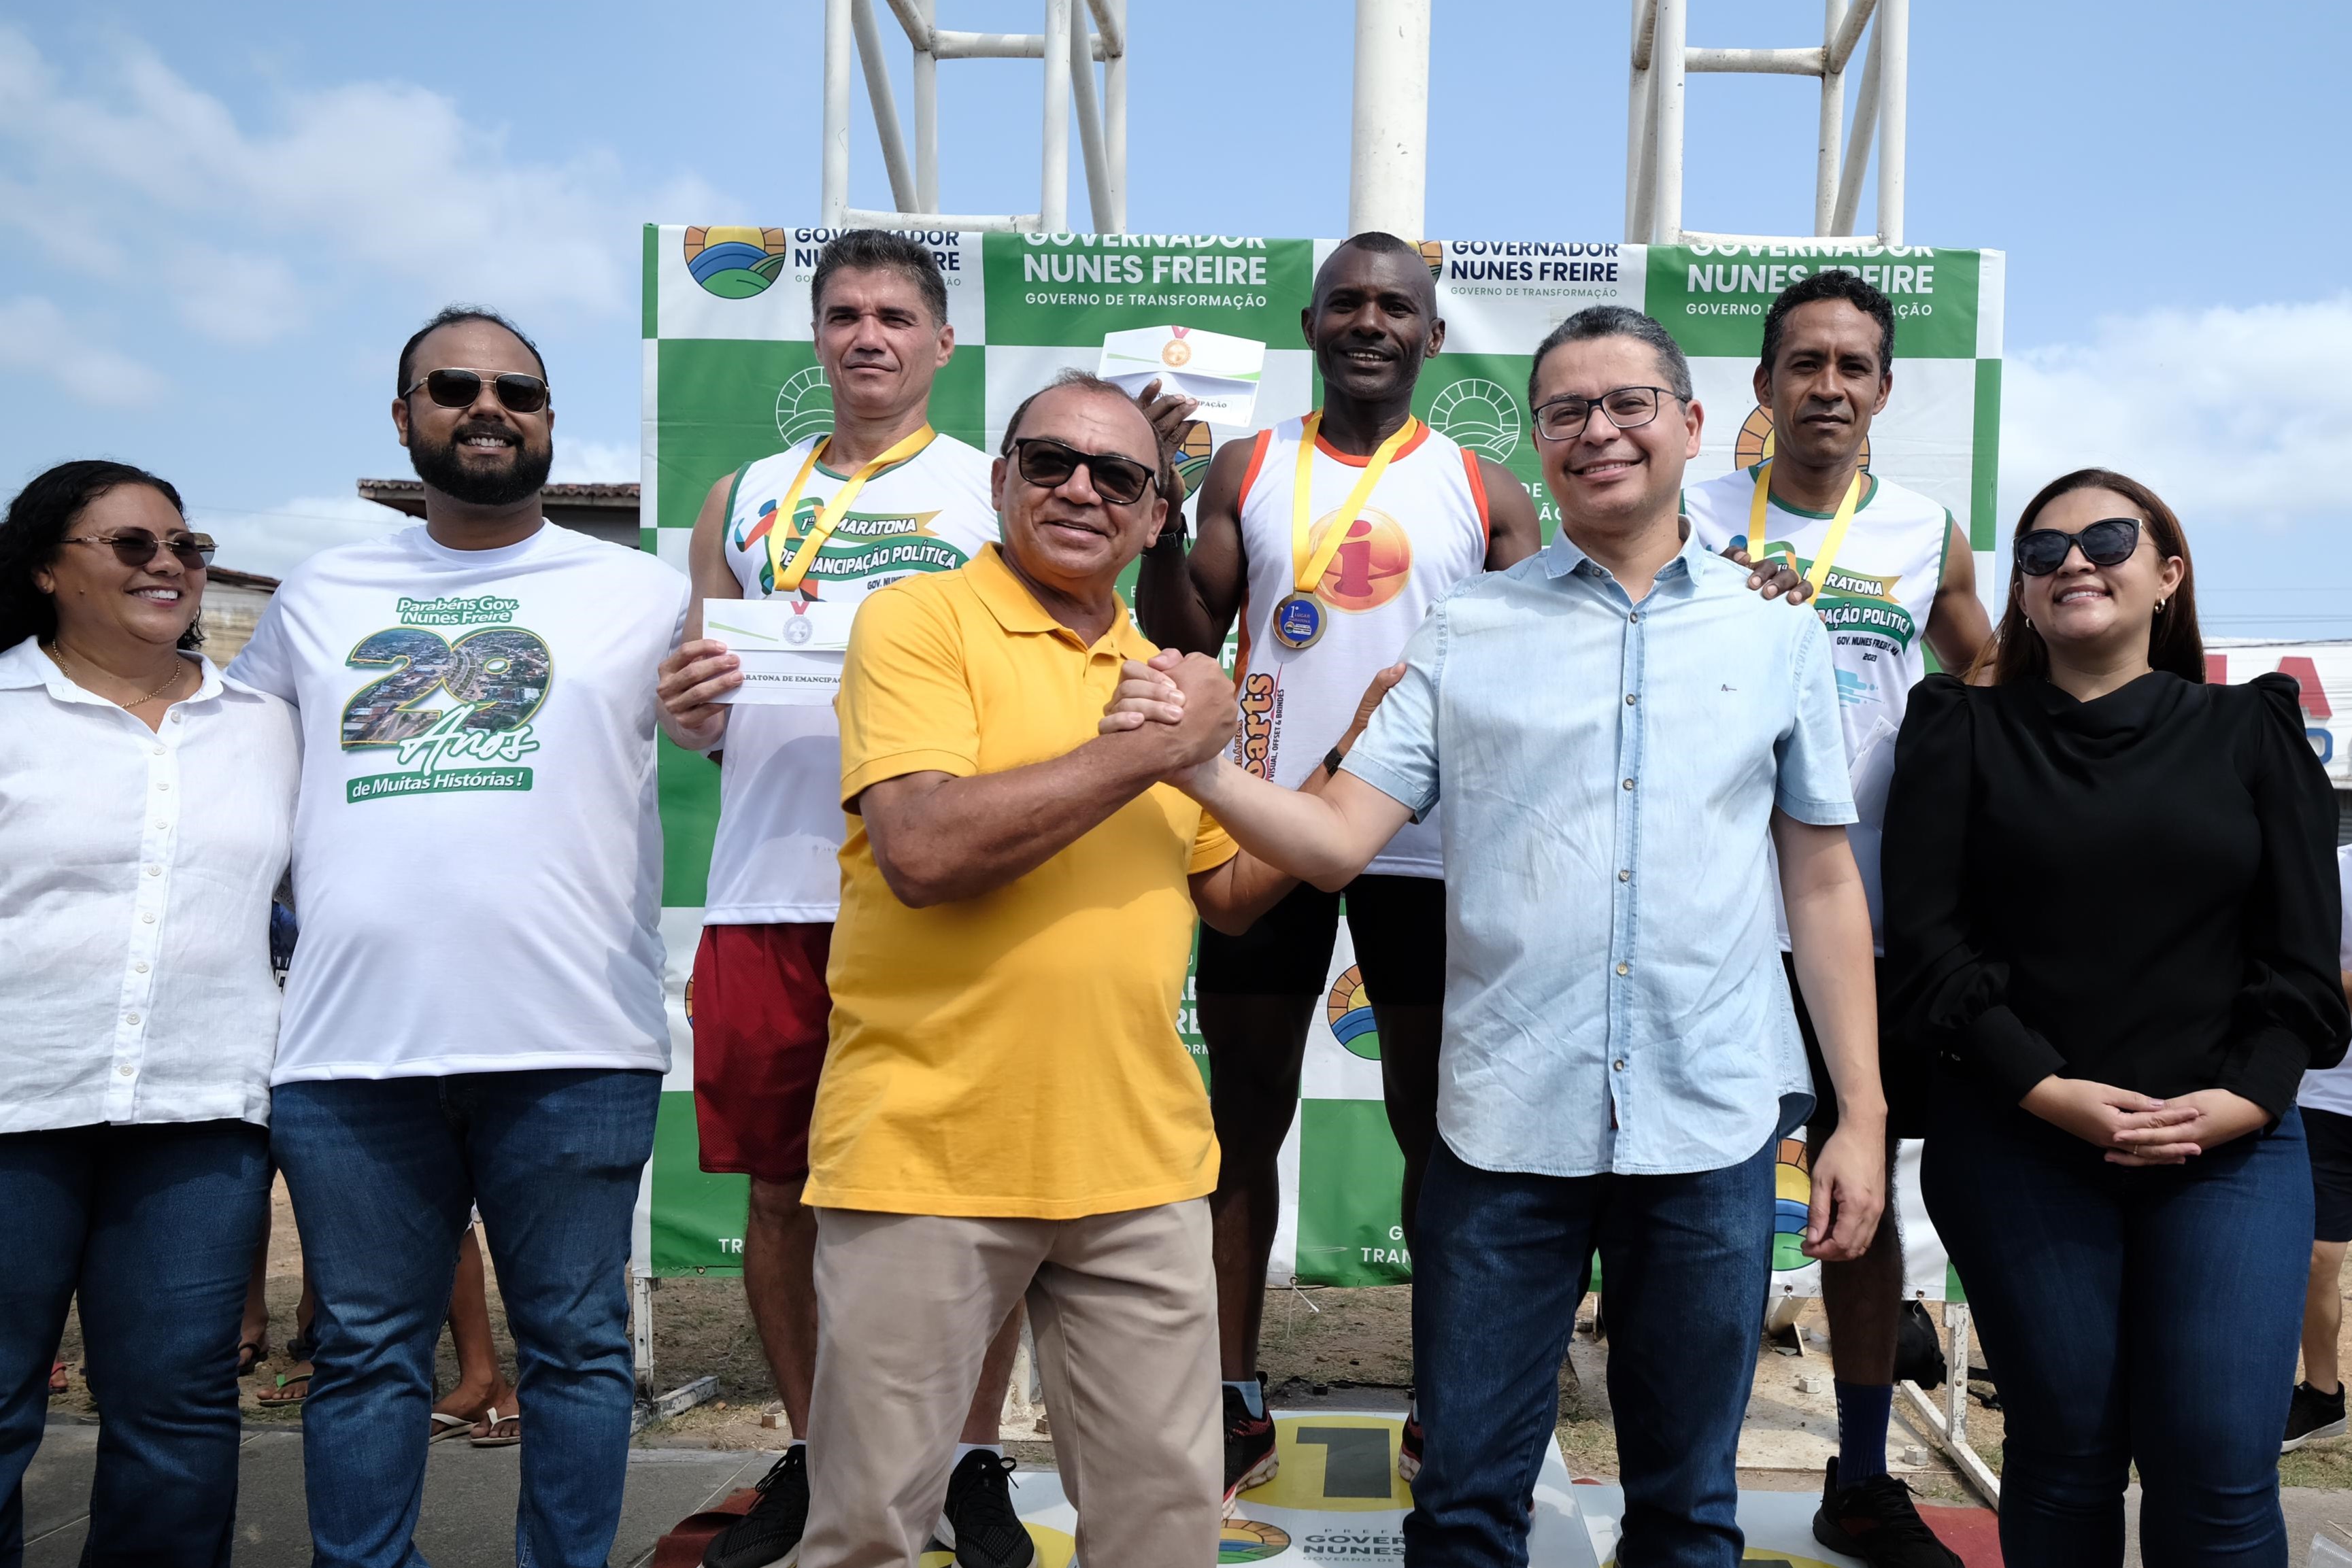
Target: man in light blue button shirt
{"type": "Point", "coordinates": [1622, 734]}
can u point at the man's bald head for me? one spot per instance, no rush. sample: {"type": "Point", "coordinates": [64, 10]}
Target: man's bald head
{"type": "Point", "coordinates": [1354, 259]}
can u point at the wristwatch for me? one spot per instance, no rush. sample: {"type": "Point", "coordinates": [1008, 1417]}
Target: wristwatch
{"type": "Point", "coordinates": [1331, 760]}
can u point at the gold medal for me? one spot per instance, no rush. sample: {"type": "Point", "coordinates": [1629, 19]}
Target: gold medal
{"type": "Point", "coordinates": [1299, 620]}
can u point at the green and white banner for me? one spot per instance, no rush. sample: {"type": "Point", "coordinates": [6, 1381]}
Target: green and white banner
{"type": "Point", "coordinates": [731, 374]}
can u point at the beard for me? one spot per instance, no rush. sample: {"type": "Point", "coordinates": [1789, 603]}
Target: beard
{"type": "Point", "coordinates": [446, 468]}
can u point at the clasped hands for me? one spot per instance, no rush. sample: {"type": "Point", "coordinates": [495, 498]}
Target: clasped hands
{"type": "Point", "coordinates": [1189, 695]}
{"type": "Point", "coordinates": [2137, 1129]}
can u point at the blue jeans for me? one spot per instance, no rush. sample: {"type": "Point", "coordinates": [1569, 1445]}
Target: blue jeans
{"type": "Point", "coordinates": [381, 1173]}
{"type": "Point", "coordinates": [2148, 1316]}
{"type": "Point", "coordinates": [155, 1226]}
{"type": "Point", "coordinates": [1501, 1266]}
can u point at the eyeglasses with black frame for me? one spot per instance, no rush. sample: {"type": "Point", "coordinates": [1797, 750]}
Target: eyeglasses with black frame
{"type": "Point", "coordinates": [1048, 465]}
{"type": "Point", "coordinates": [452, 387]}
{"type": "Point", "coordinates": [137, 546]}
{"type": "Point", "coordinates": [1627, 408]}
{"type": "Point", "coordinates": [2110, 542]}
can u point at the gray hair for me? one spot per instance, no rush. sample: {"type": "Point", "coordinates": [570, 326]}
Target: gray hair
{"type": "Point", "coordinates": [1616, 321]}
{"type": "Point", "coordinates": [1074, 377]}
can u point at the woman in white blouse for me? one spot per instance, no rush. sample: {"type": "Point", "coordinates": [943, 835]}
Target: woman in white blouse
{"type": "Point", "coordinates": [146, 806]}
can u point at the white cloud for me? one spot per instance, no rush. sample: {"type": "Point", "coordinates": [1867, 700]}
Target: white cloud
{"type": "Point", "coordinates": [135, 172]}
{"type": "Point", "coordinates": [2235, 414]}
{"type": "Point", "coordinates": [275, 540]}
{"type": "Point", "coordinates": [38, 337]}
{"type": "Point", "coordinates": [593, 462]}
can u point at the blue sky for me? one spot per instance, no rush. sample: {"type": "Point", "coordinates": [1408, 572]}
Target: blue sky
{"type": "Point", "coordinates": [217, 223]}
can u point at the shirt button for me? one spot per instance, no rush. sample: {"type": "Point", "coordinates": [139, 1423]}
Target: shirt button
{"type": "Point", "coordinates": [1629, 699]}
{"type": "Point", "coordinates": [1624, 877]}
{"type": "Point", "coordinates": [148, 917]}
{"type": "Point", "coordinates": [126, 1069]}
{"type": "Point", "coordinates": [178, 716]}
{"type": "Point", "coordinates": [1629, 783]}
{"type": "Point", "coordinates": [163, 821]}
{"type": "Point", "coordinates": [158, 871]}
{"type": "Point", "coordinates": [154, 751]}
{"type": "Point", "coordinates": [1624, 968]}
{"type": "Point", "coordinates": [1619, 1064]}
{"type": "Point", "coordinates": [130, 1017]}
{"type": "Point", "coordinates": [163, 785]}
{"type": "Point", "coordinates": [140, 967]}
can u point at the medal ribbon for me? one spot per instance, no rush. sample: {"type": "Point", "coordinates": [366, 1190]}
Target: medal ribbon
{"type": "Point", "coordinates": [1311, 569]}
{"type": "Point", "coordinates": [828, 513]}
{"type": "Point", "coordinates": [1832, 542]}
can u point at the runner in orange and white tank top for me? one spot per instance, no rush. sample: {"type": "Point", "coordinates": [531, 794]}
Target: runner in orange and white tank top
{"type": "Point", "coordinates": [1328, 564]}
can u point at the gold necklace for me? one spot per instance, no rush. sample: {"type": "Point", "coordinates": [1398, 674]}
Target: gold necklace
{"type": "Point", "coordinates": [57, 655]}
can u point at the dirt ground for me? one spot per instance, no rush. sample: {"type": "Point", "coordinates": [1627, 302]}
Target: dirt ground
{"type": "Point", "coordinates": [1320, 1346]}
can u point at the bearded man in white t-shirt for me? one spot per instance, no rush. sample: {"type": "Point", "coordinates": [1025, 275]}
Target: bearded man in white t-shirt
{"type": "Point", "coordinates": [475, 1014]}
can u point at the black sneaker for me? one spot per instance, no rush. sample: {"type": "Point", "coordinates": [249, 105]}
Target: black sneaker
{"type": "Point", "coordinates": [2312, 1415]}
{"type": "Point", "coordinates": [979, 1522]}
{"type": "Point", "coordinates": [1250, 1457]}
{"type": "Point", "coordinates": [769, 1535]}
{"type": "Point", "coordinates": [1409, 1444]}
{"type": "Point", "coordinates": [1875, 1521]}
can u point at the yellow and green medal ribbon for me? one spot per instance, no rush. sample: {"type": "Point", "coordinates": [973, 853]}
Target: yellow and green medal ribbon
{"type": "Point", "coordinates": [1832, 542]}
{"type": "Point", "coordinates": [1300, 618]}
{"type": "Point", "coordinates": [788, 575]}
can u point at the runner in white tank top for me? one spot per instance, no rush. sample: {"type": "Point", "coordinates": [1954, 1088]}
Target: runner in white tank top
{"type": "Point", "coordinates": [780, 823]}
{"type": "Point", "coordinates": [1423, 529]}
{"type": "Point", "coordinates": [1433, 515]}
{"type": "Point", "coordinates": [1895, 580]}
{"type": "Point", "coordinates": [757, 1002]}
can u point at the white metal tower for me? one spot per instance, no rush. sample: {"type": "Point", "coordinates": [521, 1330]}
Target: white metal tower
{"type": "Point", "coordinates": [1069, 50]}
{"type": "Point", "coordinates": [1663, 60]}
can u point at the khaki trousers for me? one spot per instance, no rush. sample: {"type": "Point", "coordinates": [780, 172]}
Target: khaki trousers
{"type": "Point", "coordinates": [1123, 1309]}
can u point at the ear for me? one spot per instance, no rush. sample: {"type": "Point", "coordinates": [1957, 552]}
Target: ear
{"type": "Point", "coordinates": [1694, 420]}
{"type": "Point", "coordinates": [947, 346]}
{"type": "Point", "coordinates": [1436, 338]}
{"type": "Point", "coordinates": [400, 419]}
{"type": "Point", "coordinates": [1306, 323]}
{"type": "Point", "coordinates": [1762, 382]}
{"type": "Point", "coordinates": [45, 580]}
{"type": "Point", "coordinates": [1886, 390]}
{"type": "Point", "coordinates": [2171, 575]}
{"type": "Point", "coordinates": [998, 472]}
{"type": "Point", "coordinates": [1160, 510]}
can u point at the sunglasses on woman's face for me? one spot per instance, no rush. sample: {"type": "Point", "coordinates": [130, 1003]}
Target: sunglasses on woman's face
{"type": "Point", "coordinates": [136, 546]}
{"type": "Point", "coordinates": [458, 389]}
{"type": "Point", "coordinates": [2107, 542]}
{"type": "Point", "coordinates": [1048, 465]}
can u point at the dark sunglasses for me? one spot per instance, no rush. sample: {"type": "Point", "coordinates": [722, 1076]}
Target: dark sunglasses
{"type": "Point", "coordinates": [2107, 542]}
{"type": "Point", "coordinates": [1048, 465]}
{"type": "Point", "coordinates": [458, 389]}
{"type": "Point", "coordinates": [195, 551]}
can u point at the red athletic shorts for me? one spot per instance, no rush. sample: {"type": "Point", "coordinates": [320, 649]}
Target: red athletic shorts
{"type": "Point", "coordinates": [759, 1008]}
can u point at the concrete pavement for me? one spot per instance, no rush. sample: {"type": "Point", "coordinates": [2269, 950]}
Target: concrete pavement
{"type": "Point", "coordinates": [469, 1498]}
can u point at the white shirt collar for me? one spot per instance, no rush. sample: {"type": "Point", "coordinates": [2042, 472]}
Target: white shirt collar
{"type": "Point", "coordinates": [25, 665]}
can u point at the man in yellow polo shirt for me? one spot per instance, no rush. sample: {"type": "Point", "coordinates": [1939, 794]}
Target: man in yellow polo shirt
{"type": "Point", "coordinates": [1006, 1108]}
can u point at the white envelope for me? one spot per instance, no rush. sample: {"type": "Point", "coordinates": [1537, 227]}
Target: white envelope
{"type": "Point", "coordinates": [791, 648]}
{"type": "Point", "coordinates": [1221, 372]}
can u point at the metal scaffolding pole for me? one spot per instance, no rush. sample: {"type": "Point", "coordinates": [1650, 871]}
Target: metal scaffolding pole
{"type": "Point", "coordinates": [1068, 50]}
{"type": "Point", "coordinates": [1387, 170]}
{"type": "Point", "coordinates": [1661, 59]}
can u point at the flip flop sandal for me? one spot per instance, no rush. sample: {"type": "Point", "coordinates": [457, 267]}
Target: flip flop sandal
{"type": "Point", "coordinates": [495, 1421]}
{"type": "Point", "coordinates": [58, 1383]}
{"type": "Point", "coordinates": [251, 1354]}
{"type": "Point", "coordinates": [286, 1401]}
{"type": "Point", "coordinates": [446, 1426]}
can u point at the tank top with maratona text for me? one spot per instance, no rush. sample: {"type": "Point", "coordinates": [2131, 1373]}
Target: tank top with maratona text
{"type": "Point", "coordinates": [1876, 602]}
{"type": "Point", "coordinates": [773, 859]}
{"type": "Point", "coordinates": [1422, 530]}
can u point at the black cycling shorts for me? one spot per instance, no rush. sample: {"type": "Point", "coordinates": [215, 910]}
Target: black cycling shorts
{"type": "Point", "coordinates": [1398, 924]}
{"type": "Point", "coordinates": [1902, 1074]}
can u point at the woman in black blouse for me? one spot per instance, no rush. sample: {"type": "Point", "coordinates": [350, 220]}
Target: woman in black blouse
{"type": "Point", "coordinates": [2111, 917]}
